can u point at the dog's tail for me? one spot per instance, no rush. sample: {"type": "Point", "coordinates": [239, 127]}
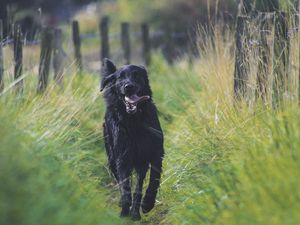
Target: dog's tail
{"type": "Point", "coordinates": [155, 174]}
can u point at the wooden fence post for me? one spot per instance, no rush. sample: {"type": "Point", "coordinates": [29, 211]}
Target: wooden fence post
{"type": "Point", "coordinates": [58, 57]}
{"type": "Point", "coordinates": [281, 59]}
{"type": "Point", "coordinates": [125, 41]}
{"type": "Point", "coordinates": [241, 60]}
{"type": "Point", "coordinates": [45, 58]}
{"type": "Point", "coordinates": [265, 57]}
{"type": "Point", "coordinates": [18, 57]}
{"type": "Point", "coordinates": [299, 50]}
{"type": "Point", "coordinates": [1, 59]}
{"type": "Point", "coordinates": [9, 21]}
{"type": "Point", "coordinates": [146, 44]}
{"type": "Point", "coordinates": [245, 7]}
{"type": "Point", "coordinates": [104, 38]}
{"type": "Point", "coordinates": [77, 44]}
{"type": "Point", "coordinates": [169, 52]}
{"type": "Point", "coordinates": [268, 5]}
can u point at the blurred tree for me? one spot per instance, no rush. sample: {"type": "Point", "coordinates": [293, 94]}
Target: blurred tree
{"type": "Point", "coordinates": [179, 19]}
{"type": "Point", "coordinates": [50, 7]}
{"type": "Point", "coordinates": [178, 14]}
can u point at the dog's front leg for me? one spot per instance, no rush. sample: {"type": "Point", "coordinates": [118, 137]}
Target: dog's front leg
{"type": "Point", "coordinates": [155, 174]}
{"type": "Point", "coordinates": [137, 197]}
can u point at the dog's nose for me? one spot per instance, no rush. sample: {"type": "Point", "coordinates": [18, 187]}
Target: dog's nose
{"type": "Point", "coordinates": [129, 88]}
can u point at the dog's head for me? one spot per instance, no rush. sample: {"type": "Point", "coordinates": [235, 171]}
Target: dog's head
{"type": "Point", "coordinates": [130, 84]}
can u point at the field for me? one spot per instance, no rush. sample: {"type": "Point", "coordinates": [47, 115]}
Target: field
{"type": "Point", "coordinates": [226, 162]}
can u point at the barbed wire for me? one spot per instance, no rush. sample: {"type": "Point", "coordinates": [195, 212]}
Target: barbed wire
{"type": "Point", "coordinates": [176, 35]}
{"type": "Point", "coordinates": [8, 41]}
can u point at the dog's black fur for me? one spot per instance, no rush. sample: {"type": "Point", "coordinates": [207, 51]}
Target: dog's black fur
{"type": "Point", "coordinates": [133, 138]}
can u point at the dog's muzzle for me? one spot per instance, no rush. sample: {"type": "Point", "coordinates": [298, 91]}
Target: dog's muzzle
{"type": "Point", "coordinates": [131, 102]}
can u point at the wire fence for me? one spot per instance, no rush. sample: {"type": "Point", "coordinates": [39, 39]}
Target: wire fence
{"type": "Point", "coordinates": [122, 51]}
{"type": "Point", "coordinates": [89, 36]}
{"type": "Point", "coordinates": [266, 58]}
{"type": "Point", "coordinates": [252, 45]}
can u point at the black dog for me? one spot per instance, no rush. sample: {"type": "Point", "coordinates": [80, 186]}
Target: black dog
{"type": "Point", "coordinates": [132, 133]}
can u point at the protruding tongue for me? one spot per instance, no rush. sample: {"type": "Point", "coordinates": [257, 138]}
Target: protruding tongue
{"type": "Point", "coordinates": [134, 99]}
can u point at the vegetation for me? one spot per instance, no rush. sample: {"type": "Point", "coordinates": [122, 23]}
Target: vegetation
{"type": "Point", "coordinates": [226, 162]}
{"type": "Point", "coordinates": [51, 160]}
{"type": "Point", "coordinates": [171, 12]}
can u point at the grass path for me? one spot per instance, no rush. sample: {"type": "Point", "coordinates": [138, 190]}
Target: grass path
{"type": "Point", "coordinates": [223, 164]}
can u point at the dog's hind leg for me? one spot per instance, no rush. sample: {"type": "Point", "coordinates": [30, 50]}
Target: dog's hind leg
{"type": "Point", "coordinates": [149, 199]}
{"type": "Point", "coordinates": [113, 169]}
{"type": "Point", "coordinates": [137, 197]}
{"type": "Point", "coordinates": [109, 152]}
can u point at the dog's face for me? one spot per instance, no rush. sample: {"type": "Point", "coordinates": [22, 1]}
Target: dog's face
{"type": "Point", "coordinates": [130, 83]}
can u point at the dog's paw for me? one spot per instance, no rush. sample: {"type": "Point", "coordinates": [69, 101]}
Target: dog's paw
{"type": "Point", "coordinates": [124, 213]}
{"type": "Point", "coordinates": [148, 204]}
{"type": "Point", "coordinates": [135, 216]}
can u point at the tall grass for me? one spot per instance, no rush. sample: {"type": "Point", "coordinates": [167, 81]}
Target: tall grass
{"type": "Point", "coordinates": [228, 162]}
{"type": "Point", "coordinates": [52, 161]}
{"type": "Point", "coordinates": [225, 163]}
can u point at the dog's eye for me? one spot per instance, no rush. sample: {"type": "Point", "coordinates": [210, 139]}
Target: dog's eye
{"type": "Point", "coordinates": [121, 75]}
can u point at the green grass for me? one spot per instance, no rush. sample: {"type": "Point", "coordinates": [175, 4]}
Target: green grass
{"type": "Point", "coordinates": [223, 164]}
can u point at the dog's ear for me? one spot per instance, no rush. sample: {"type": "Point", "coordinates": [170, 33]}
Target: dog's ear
{"type": "Point", "coordinates": [145, 75]}
{"type": "Point", "coordinates": [142, 67]}
{"type": "Point", "coordinates": [106, 80]}
{"type": "Point", "coordinates": [108, 67]}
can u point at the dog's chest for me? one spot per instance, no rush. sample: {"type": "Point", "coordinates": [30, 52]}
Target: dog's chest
{"type": "Point", "coordinates": [140, 139]}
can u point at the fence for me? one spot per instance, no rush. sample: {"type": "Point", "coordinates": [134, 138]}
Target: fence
{"type": "Point", "coordinates": [270, 46]}
{"type": "Point", "coordinates": [51, 46]}
{"type": "Point", "coordinates": [265, 39]}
